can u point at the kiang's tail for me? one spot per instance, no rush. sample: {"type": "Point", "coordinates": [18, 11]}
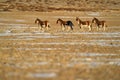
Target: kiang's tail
{"type": "Point", "coordinates": [71, 25]}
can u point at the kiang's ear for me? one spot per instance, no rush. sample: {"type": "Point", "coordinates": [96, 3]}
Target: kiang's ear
{"type": "Point", "coordinates": [76, 18]}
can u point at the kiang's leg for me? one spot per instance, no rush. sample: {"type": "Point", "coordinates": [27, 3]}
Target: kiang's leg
{"type": "Point", "coordinates": [48, 26]}
{"type": "Point", "coordinates": [79, 25]}
{"type": "Point", "coordinates": [71, 27]}
{"type": "Point", "coordinates": [63, 27]}
{"type": "Point", "coordinates": [104, 26]}
{"type": "Point", "coordinates": [98, 27]}
{"type": "Point", "coordinates": [90, 27]}
{"type": "Point", "coordinates": [68, 27]}
{"type": "Point", "coordinates": [41, 27]}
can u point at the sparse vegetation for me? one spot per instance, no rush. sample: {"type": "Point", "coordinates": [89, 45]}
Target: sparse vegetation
{"type": "Point", "coordinates": [76, 5]}
{"type": "Point", "coordinates": [27, 53]}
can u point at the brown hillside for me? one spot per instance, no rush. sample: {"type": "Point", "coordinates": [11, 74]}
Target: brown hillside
{"type": "Point", "coordinates": [50, 5]}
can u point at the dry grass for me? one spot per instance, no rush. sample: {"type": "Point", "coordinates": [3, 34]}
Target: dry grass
{"type": "Point", "coordinates": [60, 58]}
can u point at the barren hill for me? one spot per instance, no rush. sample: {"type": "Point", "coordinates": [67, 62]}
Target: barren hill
{"type": "Point", "coordinates": [50, 5]}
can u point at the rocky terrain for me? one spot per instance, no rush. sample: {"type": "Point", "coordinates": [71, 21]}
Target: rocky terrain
{"type": "Point", "coordinates": [53, 5]}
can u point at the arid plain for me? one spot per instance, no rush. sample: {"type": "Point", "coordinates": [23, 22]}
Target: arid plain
{"type": "Point", "coordinates": [26, 52]}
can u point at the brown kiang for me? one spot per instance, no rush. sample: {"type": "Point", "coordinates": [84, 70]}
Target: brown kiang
{"type": "Point", "coordinates": [42, 23]}
{"type": "Point", "coordinates": [65, 24]}
{"type": "Point", "coordinates": [99, 23]}
{"type": "Point", "coordinates": [82, 23]}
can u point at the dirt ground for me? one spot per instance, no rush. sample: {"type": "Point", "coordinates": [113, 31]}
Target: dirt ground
{"type": "Point", "coordinates": [26, 52]}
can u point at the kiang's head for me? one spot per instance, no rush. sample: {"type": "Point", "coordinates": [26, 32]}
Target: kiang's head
{"type": "Point", "coordinates": [36, 20]}
{"type": "Point", "coordinates": [93, 20]}
{"type": "Point", "coordinates": [77, 18]}
{"type": "Point", "coordinates": [58, 20]}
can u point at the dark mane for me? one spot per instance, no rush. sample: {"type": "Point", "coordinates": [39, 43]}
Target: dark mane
{"type": "Point", "coordinates": [95, 19]}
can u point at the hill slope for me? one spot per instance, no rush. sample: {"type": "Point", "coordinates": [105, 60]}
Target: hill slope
{"type": "Point", "coordinates": [49, 5]}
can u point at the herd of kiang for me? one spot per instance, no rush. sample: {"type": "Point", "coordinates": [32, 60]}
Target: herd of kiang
{"type": "Point", "coordinates": [70, 26]}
